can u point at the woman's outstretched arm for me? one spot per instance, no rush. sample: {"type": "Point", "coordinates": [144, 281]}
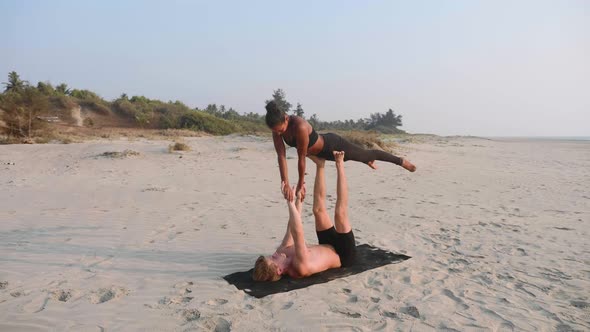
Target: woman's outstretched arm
{"type": "Point", "coordinates": [302, 142]}
{"type": "Point", "coordinates": [282, 160]}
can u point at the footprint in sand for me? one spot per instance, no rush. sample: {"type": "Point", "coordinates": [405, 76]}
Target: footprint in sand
{"type": "Point", "coordinates": [216, 302]}
{"type": "Point", "coordinates": [106, 294]}
{"type": "Point", "coordinates": [580, 304]}
{"type": "Point", "coordinates": [37, 304]}
{"type": "Point", "coordinates": [217, 324]}
{"type": "Point", "coordinates": [62, 295]}
{"type": "Point", "coordinates": [564, 328]}
{"type": "Point", "coordinates": [159, 189]}
{"type": "Point", "coordinates": [452, 296]}
{"type": "Point", "coordinates": [17, 293]}
{"type": "Point", "coordinates": [346, 312]}
{"type": "Point", "coordinates": [182, 290]}
{"type": "Point", "coordinates": [375, 284]}
{"type": "Point", "coordinates": [504, 324]}
{"type": "Point", "coordinates": [183, 284]}
{"type": "Point", "coordinates": [3, 284]}
{"type": "Point", "coordinates": [388, 314]}
{"type": "Point", "coordinates": [410, 310]}
{"type": "Point", "coordinates": [175, 300]}
{"type": "Point", "coordinates": [189, 315]}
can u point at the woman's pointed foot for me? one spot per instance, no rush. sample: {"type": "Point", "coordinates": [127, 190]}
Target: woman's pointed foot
{"type": "Point", "coordinates": [372, 164]}
{"type": "Point", "coordinates": [408, 165]}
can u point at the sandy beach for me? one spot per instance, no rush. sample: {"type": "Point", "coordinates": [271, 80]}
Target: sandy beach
{"type": "Point", "coordinates": [498, 232]}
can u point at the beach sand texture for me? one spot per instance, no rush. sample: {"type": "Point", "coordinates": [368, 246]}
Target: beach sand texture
{"type": "Point", "coordinates": [498, 232]}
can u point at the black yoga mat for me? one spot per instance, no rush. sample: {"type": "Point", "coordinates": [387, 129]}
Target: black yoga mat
{"type": "Point", "coordinates": [367, 258]}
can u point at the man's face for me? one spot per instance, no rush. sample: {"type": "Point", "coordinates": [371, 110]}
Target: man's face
{"type": "Point", "coordinates": [275, 261]}
{"type": "Point", "coordinates": [278, 259]}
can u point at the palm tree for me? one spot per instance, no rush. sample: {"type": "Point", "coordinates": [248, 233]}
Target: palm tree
{"type": "Point", "coordinates": [14, 82]}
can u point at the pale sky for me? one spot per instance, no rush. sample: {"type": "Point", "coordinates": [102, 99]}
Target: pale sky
{"type": "Point", "coordinates": [486, 68]}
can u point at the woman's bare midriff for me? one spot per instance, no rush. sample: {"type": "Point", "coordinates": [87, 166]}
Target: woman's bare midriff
{"type": "Point", "coordinates": [316, 147]}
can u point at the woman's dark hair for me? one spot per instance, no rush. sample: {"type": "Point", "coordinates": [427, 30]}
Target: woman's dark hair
{"type": "Point", "coordinates": [274, 115]}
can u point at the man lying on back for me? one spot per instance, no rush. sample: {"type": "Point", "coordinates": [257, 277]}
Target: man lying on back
{"type": "Point", "coordinates": [336, 246]}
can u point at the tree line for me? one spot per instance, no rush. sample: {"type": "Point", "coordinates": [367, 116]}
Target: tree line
{"type": "Point", "coordinates": [23, 106]}
{"type": "Point", "coordinates": [387, 122]}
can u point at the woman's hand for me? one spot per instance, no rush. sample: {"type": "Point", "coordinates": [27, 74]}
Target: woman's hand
{"type": "Point", "coordinates": [300, 190]}
{"type": "Point", "coordinates": [287, 191]}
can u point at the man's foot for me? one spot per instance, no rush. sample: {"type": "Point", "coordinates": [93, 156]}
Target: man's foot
{"type": "Point", "coordinates": [408, 165]}
{"type": "Point", "coordinates": [372, 164]}
{"type": "Point", "coordinates": [338, 157]}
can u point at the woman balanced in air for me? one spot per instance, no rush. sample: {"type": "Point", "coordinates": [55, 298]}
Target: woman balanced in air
{"type": "Point", "coordinates": [296, 132]}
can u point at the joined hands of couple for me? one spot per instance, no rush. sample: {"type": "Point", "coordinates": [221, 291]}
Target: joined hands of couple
{"type": "Point", "coordinates": [291, 192]}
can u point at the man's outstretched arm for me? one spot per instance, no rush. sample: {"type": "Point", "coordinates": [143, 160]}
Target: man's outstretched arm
{"type": "Point", "coordinates": [288, 238]}
{"type": "Point", "coordinates": [296, 228]}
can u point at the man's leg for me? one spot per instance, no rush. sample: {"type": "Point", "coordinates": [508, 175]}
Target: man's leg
{"type": "Point", "coordinates": [341, 214]}
{"type": "Point", "coordinates": [322, 219]}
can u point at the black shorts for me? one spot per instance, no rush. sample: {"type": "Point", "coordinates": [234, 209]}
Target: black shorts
{"type": "Point", "coordinates": [343, 243]}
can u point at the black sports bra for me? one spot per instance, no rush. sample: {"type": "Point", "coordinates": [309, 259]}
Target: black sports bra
{"type": "Point", "coordinates": [313, 137]}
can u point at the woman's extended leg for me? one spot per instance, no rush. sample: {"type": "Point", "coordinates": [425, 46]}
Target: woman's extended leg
{"type": "Point", "coordinates": [354, 152]}
{"type": "Point", "coordinates": [341, 221]}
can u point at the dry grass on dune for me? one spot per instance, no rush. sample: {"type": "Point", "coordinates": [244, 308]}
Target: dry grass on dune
{"type": "Point", "coordinates": [178, 146]}
{"type": "Point", "coordinates": [71, 134]}
{"type": "Point", "coordinates": [119, 155]}
{"type": "Point", "coordinates": [369, 140]}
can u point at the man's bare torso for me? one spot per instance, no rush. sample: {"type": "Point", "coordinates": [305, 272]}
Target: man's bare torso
{"type": "Point", "coordinates": [319, 258]}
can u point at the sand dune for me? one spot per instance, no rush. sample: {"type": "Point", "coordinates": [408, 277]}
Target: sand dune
{"type": "Point", "coordinates": [498, 233]}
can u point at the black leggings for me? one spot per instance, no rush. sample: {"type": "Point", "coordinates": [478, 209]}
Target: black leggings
{"type": "Point", "coordinates": [333, 142]}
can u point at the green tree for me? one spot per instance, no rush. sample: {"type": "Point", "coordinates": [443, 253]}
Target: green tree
{"type": "Point", "coordinates": [386, 123]}
{"type": "Point", "coordinates": [280, 98]}
{"type": "Point", "coordinates": [391, 120]}
{"type": "Point", "coordinates": [299, 111]}
{"type": "Point", "coordinates": [314, 121]}
{"type": "Point", "coordinates": [80, 94]}
{"type": "Point", "coordinates": [22, 106]}
{"type": "Point", "coordinates": [143, 118]}
{"type": "Point", "coordinates": [14, 82]}
{"type": "Point", "coordinates": [46, 88]}
{"type": "Point", "coordinates": [213, 110]}
{"type": "Point", "coordinates": [63, 89]}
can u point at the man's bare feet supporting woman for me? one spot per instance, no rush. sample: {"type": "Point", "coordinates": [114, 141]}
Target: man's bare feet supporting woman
{"type": "Point", "coordinates": [339, 158]}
